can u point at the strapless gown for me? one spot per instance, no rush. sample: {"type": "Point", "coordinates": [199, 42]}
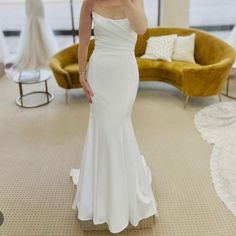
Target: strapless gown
{"type": "Point", "coordinates": [113, 179]}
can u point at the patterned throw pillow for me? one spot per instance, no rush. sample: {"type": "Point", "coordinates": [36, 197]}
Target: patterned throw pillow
{"type": "Point", "coordinates": [160, 47]}
{"type": "Point", "coordinates": [184, 48]}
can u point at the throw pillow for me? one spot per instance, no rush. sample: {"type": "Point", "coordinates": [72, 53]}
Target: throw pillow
{"type": "Point", "coordinates": [184, 48]}
{"type": "Point", "coordinates": [160, 47]}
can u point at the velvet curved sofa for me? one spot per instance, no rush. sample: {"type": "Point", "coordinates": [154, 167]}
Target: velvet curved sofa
{"type": "Point", "coordinates": [214, 59]}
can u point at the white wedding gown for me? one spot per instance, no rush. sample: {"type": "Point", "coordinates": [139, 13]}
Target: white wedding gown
{"type": "Point", "coordinates": [113, 180]}
{"type": "Point", "coordinates": [37, 41]}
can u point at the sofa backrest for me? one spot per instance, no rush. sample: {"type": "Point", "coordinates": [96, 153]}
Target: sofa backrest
{"type": "Point", "coordinates": [208, 48]}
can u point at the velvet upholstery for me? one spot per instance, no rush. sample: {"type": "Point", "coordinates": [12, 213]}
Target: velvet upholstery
{"type": "Point", "coordinates": [214, 60]}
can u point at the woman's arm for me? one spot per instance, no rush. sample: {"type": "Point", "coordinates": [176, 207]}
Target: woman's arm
{"type": "Point", "coordinates": [134, 10]}
{"type": "Point", "coordinates": [85, 24]}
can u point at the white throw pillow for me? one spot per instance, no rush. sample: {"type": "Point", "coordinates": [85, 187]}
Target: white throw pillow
{"type": "Point", "coordinates": [160, 47]}
{"type": "Point", "coordinates": [184, 48]}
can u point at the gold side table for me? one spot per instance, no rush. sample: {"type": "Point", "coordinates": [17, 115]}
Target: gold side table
{"type": "Point", "coordinates": [45, 75]}
{"type": "Point", "coordinates": [231, 76]}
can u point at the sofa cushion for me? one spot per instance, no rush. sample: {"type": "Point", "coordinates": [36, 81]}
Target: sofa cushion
{"type": "Point", "coordinates": [72, 68]}
{"type": "Point", "coordinates": [161, 69]}
{"type": "Point", "coordinates": [184, 48]}
{"type": "Point", "coordinates": [160, 47]}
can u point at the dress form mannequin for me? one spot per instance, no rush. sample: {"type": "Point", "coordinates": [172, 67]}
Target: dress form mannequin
{"type": "Point", "coordinates": [37, 42]}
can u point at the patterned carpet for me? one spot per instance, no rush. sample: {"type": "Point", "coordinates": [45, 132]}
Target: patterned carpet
{"type": "Point", "coordinates": [39, 146]}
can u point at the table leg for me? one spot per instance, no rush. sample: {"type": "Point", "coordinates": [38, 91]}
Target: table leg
{"type": "Point", "coordinates": [46, 87]}
{"type": "Point", "coordinates": [21, 93]}
{"type": "Point", "coordinates": [227, 86]}
{"type": "Point", "coordinates": [231, 76]}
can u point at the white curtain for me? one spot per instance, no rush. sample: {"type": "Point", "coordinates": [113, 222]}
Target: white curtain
{"type": "Point", "coordinates": [232, 38]}
{"type": "Point", "coordinates": [232, 41]}
{"type": "Point", "coordinates": [37, 42]}
{"type": "Point", "coordinates": [3, 48]}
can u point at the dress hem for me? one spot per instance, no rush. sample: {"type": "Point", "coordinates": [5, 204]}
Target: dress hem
{"type": "Point", "coordinates": [153, 213]}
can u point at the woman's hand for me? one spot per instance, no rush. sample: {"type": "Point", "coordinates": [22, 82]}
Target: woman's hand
{"type": "Point", "coordinates": [134, 10]}
{"type": "Point", "coordinates": [86, 87]}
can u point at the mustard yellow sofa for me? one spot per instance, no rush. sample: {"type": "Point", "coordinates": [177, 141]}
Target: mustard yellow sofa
{"type": "Point", "coordinates": [214, 60]}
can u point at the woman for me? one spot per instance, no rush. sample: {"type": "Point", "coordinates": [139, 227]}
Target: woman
{"type": "Point", "coordinates": [114, 181]}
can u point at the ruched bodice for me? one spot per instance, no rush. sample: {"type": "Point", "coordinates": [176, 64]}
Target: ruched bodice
{"type": "Point", "coordinates": [113, 36]}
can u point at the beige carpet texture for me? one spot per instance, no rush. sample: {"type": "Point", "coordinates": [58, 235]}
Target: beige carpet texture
{"type": "Point", "coordinates": [39, 146]}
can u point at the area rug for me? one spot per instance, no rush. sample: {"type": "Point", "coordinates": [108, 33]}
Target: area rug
{"type": "Point", "coordinates": [217, 125]}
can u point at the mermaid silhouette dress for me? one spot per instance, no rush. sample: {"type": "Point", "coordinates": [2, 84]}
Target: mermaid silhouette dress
{"type": "Point", "coordinates": [113, 181]}
{"type": "Point", "coordinates": [37, 41]}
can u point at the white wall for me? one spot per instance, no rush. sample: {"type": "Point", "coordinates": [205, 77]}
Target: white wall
{"type": "Point", "coordinates": [175, 13]}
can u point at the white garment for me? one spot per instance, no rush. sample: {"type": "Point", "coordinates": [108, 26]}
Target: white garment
{"type": "Point", "coordinates": [217, 125]}
{"type": "Point", "coordinates": [3, 48]}
{"type": "Point", "coordinates": [232, 41]}
{"type": "Point", "coordinates": [113, 181]}
{"type": "Point", "coordinates": [37, 42]}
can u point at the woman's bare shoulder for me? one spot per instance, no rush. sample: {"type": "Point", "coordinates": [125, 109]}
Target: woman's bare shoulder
{"type": "Point", "coordinates": [89, 4]}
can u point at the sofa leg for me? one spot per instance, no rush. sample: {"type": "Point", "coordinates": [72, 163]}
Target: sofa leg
{"type": "Point", "coordinates": [66, 96]}
{"type": "Point", "coordinates": [186, 101]}
{"type": "Point", "coordinates": [220, 99]}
